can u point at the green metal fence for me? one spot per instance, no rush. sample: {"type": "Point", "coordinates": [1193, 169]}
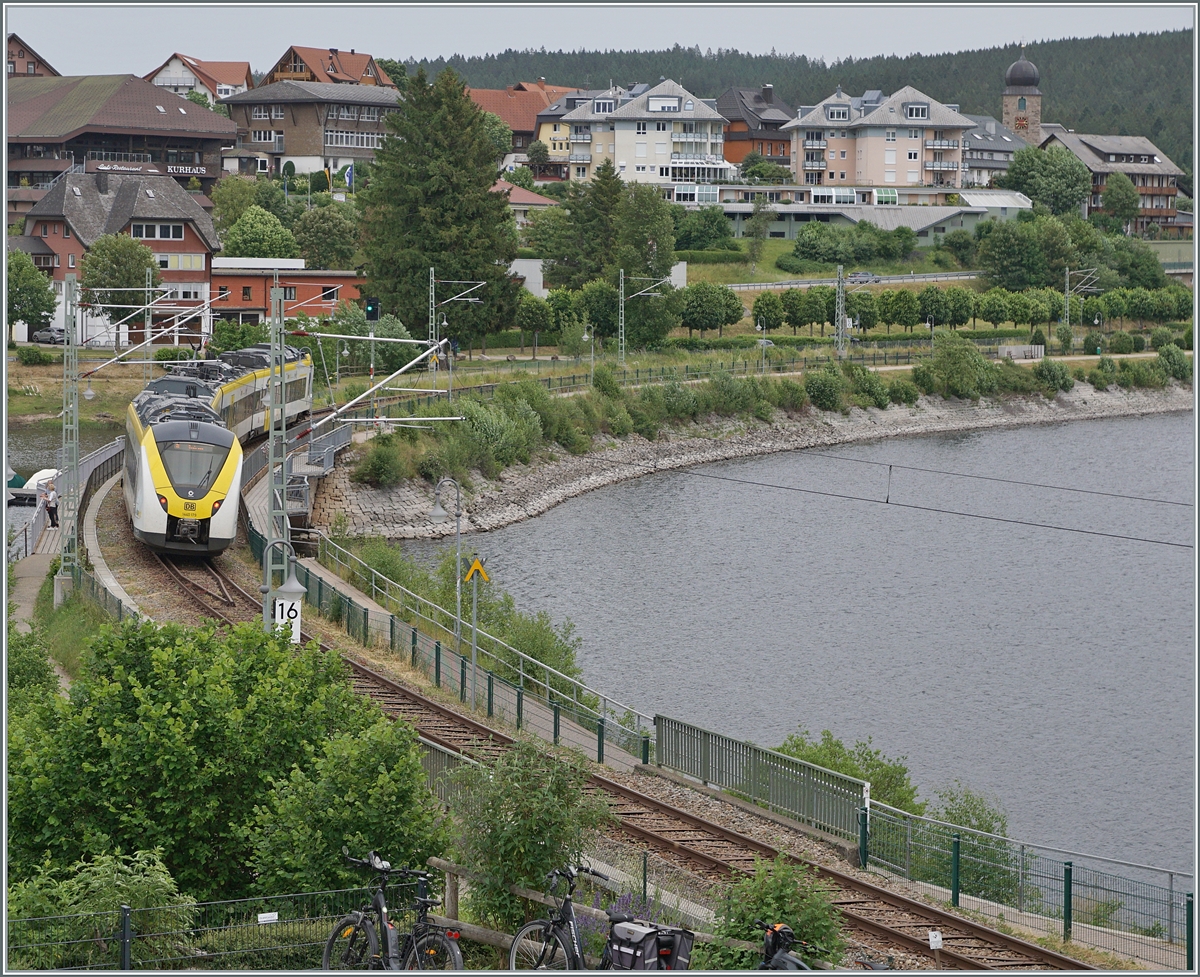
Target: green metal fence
{"type": "Point", "coordinates": [1135, 911]}
{"type": "Point", "coordinates": [271, 933]}
{"type": "Point", "coordinates": [813, 795]}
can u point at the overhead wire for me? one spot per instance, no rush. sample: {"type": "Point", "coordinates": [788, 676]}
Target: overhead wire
{"type": "Point", "coordinates": [647, 468]}
{"type": "Point", "coordinates": [1007, 481]}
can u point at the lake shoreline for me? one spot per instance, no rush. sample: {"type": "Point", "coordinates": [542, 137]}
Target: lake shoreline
{"type": "Point", "coordinates": [524, 491]}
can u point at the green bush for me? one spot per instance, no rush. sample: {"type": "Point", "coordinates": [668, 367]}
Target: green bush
{"type": "Point", "coordinates": [528, 253]}
{"type": "Point", "coordinates": [32, 356]}
{"type": "Point", "coordinates": [1187, 339]}
{"type": "Point", "coordinates": [1093, 342]}
{"type": "Point", "coordinates": [799, 266]}
{"type": "Point", "coordinates": [866, 386]}
{"type": "Point", "coordinates": [382, 466]}
{"type": "Point", "coordinates": [924, 378]}
{"type": "Point", "coordinates": [1098, 379]}
{"type": "Point", "coordinates": [1141, 374]}
{"type": "Point", "coordinates": [1139, 343]}
{"type": "Point", "coordinates": [1174, 363]}
{"type": "Point", "coordinates": [1120, 342]}
{"type": "Point", "coordinates": [777, 892]}
{"type": "Point", "coordinates": [824, 387]}
{"type": "Point", "coordinates": [1054, 375]}
{"type": "Point", "coordinates": [903, 391]}
{"type": "Point", "coordinates": [605, 381]}
{"type": "Point", "coordinates": [1160, 337]}
{"type": "Point", "coordinates": [1038, 338]}
{"type": "Point", "coordinates": [1066, 338]}
{"type": "Point", "coordinates": [787, 395]}
{"type": "Point", "coordinates": [889, 777]}
{"type": "Point", "coordinates": [172, 353]}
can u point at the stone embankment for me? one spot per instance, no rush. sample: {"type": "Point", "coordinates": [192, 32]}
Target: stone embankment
{"type": "Point", "coordinates": [522, 492]}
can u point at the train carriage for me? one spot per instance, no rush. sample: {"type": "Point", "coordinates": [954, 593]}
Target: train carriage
{"type": "Point", "coordinates": [183, 461]}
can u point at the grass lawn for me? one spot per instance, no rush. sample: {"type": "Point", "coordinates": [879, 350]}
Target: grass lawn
{"type": "Point", "coordinates": [69, 627]}
{"type": "Point", "coordinates": [734, 274]}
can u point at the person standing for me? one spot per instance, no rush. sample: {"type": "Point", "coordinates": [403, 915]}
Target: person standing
{"type": "Point", "coordinates": [52, 504]}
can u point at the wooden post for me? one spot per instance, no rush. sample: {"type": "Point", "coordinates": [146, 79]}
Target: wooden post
{"type": "Point", "coordinates": [451, 895]}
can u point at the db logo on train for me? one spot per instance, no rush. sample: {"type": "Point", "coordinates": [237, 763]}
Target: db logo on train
{"type": "Point", "coordinates": [189, 507]}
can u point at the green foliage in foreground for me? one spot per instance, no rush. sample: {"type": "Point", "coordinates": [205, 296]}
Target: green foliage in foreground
{"type": "Point", "coordinates": [889, 777]}
{"type": "Point", "coordinates": [521, 816]}
{"type": "Point", "coordinates": [31, 677]}
{"type": "Point", "coordinates": [173, 738]}
{"type": "Point", "coordinates": [777, 892]}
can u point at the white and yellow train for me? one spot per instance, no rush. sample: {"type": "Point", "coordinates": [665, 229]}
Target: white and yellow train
{"type": "Point", "coordinates": [183, 449]}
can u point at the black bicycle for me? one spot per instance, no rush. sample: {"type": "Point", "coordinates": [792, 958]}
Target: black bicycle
{"type": "Point", "coordinates": [354, 942]}
{"type": "Point", "coordinates": [555, 943]}
{"type": "Point", "coordinates": [778, 941]}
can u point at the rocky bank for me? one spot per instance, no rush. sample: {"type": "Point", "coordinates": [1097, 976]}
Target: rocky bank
{"type": "Point", "coordinates": [524, 491]}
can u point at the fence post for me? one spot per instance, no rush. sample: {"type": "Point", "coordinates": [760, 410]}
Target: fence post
{"type": "Point", "coordinates": [126, 938]}
{"type": "Point", "coordinates": [391, 632]}
{"type": "Point", "coordinates": [600, 741]}
{"type": "Point", "coordinates": [1190, 954]}
{"type": "Point", "coordinates": [491, 693]}
{"type": "Point", "coordinates": [557, 718]}
{"type": "Point", "coordinates": [863, 852]}
{"type": "Point", "coordinates": [1021, 883]}
{"type": "Point", "coordinates": [437, 664]}
{"type": "Point", "coordinates": [520, 706]}
{"type": "Point", "coordinates": [955, 852]}
{"type": "Point", "coordinates": [366, 627]}
{"type": "Point", "coordinates": [414, 647]}
{"type": "Point", "coordinates": [1170, 907]}
{"type": "Point", "coordinates": [1066, 902]}
{"type": "Point", "coordinates": [462, 679]}
{"type": "Point", "coordinates": [646, 748]}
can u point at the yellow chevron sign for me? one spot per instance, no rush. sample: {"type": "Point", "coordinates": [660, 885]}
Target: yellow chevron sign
{"type": "Point", "coordinates": [476, 566]}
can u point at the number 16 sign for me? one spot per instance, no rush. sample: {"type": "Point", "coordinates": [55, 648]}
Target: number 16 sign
{"type": "Point", "coordinates": [287, 615]}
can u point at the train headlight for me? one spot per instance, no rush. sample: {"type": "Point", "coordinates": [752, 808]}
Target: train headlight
{"type": "Point", "coordinates": [217, 506]}
{"type": "Point", "coordinates": [162, 500]}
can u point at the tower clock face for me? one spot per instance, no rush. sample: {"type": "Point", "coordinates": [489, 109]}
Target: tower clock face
{"type": "Point", "coordinates": [1020, 122]}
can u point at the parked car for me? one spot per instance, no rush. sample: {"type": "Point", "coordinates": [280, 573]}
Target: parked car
{"type": "Point", "coordinates": [50, 334]}
{"type": "Point", "coordinates": [863, 276]}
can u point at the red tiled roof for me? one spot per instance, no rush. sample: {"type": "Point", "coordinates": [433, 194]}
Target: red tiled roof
{"type": "Point", "coordinates": [347, 66]}
{"type": "Point", "coordinates": [519, 195]}
{"type": "Point", "coordinates": [518, 109]}
{"type": "Point", "coordinates": [212, 73]}
{"type": "Point", "coordinates": [552, 91]}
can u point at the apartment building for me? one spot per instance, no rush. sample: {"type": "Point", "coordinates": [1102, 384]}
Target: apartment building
{"type": "Point", "coordinates": [1151, 171]}
{"type": "Point", "coordinates": [987, 150]}
{"type": "Point", "coordinates": [555, 132]}
{"type": "Point", "coordinates": [755, 117]}
{"type": "Point", "coordinates": [312, 125]}
{"type": "Point", "coordinates": [181, 74]}
{"type": "Point", "coordinates": [905, 140]}
{"type": "Point", "coordinates": [241, 288]}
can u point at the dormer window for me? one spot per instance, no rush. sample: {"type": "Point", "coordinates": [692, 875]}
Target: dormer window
{"type": "Point", "coordinates": [604, 106]}
{"type": "Point", "coordinates": [661, 103]}
{"type": "Point", "coordinates": [688, 105]}
{"type": "Point", "coordinates": [916, 111]}
{"type": "Point", "coordinates": [838, 113]}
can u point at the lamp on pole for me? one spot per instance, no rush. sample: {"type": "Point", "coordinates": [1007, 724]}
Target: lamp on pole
{"type": "Point", "coordinates": [440, 515]}
{"type": "Point", "coordinates": [1098, 322]}
{"type": "Point", "coordinates": [444, 327]}
{"type": "Point", "coordinates": [929, 323]}
{"type": "Point", "coordinates": [291, 593]}
{"type": "Point", "coordinates": [585, 337]}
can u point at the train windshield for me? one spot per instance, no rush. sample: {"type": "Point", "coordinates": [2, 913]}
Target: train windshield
{"type": "Point", "coordinates": [192, 466]}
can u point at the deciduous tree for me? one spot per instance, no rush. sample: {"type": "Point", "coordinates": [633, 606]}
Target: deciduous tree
{"type": "Point", "coordinates": [231, 195]}
{"type": "Point", "coordinates": [498, 133]}
{"type": "Point", "coordinates": [703, 307]}
{"type": "Point", "coordinates": [327, 238]}
{"type": "Point", "coordinates": [1054, 177]}
{"type": "Point", "coordinates": [259, 234]}
{"type": "Point", "coordinates": [1120, 198]}
{"type": "Point", "coordinates": [758, 228]}
{"type": "Point", "coordinates": [30, 295]}
{"type": "Point", "coordinates": [118, 262]}
{"type": "Point", "coordinates": [768, 311]}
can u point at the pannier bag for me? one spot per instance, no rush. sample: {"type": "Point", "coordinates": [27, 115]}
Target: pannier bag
{"type": "Point", "coordinates": [633, 947]}
{"type": "Point", "coordinates": [675, 947]}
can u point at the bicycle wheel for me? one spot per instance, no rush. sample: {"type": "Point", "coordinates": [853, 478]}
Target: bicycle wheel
{"type": "Point", "coordinates": [538, 946]}
{"type": "Point", "coordinates": [433, 951]}
{"type": "Point", "coordinates": [352, 946]}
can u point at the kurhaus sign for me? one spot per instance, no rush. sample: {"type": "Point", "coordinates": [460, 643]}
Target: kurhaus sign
{"type": "Point", "coordinates": [101, 166]}
{"type": "Point", "coordinates": [186, 170]}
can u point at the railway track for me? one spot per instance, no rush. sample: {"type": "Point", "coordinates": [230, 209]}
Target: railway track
{"type": "Point", "coordinates": [704, 848]}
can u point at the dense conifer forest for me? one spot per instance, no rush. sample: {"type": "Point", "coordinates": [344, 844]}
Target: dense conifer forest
{"type": "Point", "coordinates": [1123, 85]}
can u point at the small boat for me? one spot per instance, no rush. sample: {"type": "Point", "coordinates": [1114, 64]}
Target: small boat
{"type": "Point", "coordinates": [27, 493]}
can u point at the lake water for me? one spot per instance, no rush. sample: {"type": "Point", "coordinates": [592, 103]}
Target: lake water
{"type": "Point", "coordinates": [1052, 668]}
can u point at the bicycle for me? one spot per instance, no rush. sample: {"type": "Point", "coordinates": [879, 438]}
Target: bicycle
{"type": "Point", "coordinates": [555, 943]}
{"type": "Point", "coordinates": [354, 942]}
{"type": "Point", "coordinates": [778, 940]}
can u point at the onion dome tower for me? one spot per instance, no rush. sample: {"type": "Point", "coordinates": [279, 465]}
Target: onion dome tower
{"type": "Point", "coordinates": [1022, 101]}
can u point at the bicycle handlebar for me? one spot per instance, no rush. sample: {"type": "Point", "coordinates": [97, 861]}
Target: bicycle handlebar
{"type": "Point", "coordinates": [377, 864]}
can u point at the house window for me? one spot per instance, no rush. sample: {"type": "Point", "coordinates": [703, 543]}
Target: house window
{"type": "Point", "coordinates": [688, 106]}
{"type": "Point", "coordinates": [70, 261]}
{"type": "Point", "coordinates": [916, 112]}
{"type": "Point", "coordinates": [260, 112]}
{"type": "Point", "coordinates": [664, 171]}
{"type": "Point", "coordinates": [56, 261]}
{"type": "Point", "coordinates": [914, 133]}
{"type": "Point", "coordinates": [264, 166]}
{"type": "Point", "coordinates": [842, 175]}
{"type": "Point", "coordinates": [353, 140]}
{"type": "Point", "coordinates": [262, 135]}
{"type": "Point", "coordinates": [329, 293]}
{"type": "Point", "coordinates": [580, 172]}
{"type": "Point", "coordinates": [369, 113]}
{"type": "Point", "coordinates": [518, 142]}
{"type": "Point", "coordinates": [639, 149]}
{"type": "Point", "coordinates": [45, 230]}
{"type": "Point", "coordinates": [832, 154]}
{"type": "Point", "coordinates": [843, 154]}
{"type": "Point", "coordinates": [641, 168]}
{"type": "Point", "coordinates": [276, 111]}
{"type": "Point", "coordinates": [912, 176]}
{"type": "Point", "coordinates": [12, 68]}
{"type": "Point", "coordinates": [162, 231]}
{"type": "Point", "coordinates": [223, 293]}
{"type": "Point", "coordinates": [889, 135]}
{"type": "Point", "coordinates": [180, 262]}
{"type": "Point", "coordinates": [348, 112]}
{"type": "Point", "coordinates": [660, 127]}
{"type": "Point", "coordinates": [1021, 104]}
{"type": "Point", "coordinates": [838, 113]}
{"type": "Point", "coordinates": [31, 68]}
{"type": "Point", "coordinates": [603, 106]}
{"type": "Point", "coordinates": [289, 293]}
{"type": "Point", "coordinates": [556, 127]}
{"type": "Point", "coordinates": [247, 293]}
{"type": "Point", "coordinates": [912, 155]}
{"type": "Point", "coordinates": [641, 128]}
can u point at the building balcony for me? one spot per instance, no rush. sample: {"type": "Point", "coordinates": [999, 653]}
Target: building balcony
{"type": "Point", "coordinates": [580, 158]}
{"type": "Point", "coordinates": [174, 81]}
{"type": "Point", "coordinates": [696, 158]}
{"type": "Point", "coordinates": [942, 164]}
{"type": "Point", "coordinates": [814, 143]}
{"type": "Point", "coordinates": [941, 144]}
{"type": "Point", "coordinates": [581, 137]}
{"type": "Point", "coordinates": [814, 164]}
{"type": "Point", "coordinates": [107, 157]}
{"type": "Point", "coordinates": [695, 137]}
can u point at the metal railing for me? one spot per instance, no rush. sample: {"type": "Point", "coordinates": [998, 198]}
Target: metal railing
{"type": "Point", "coordinates": [107, 157]}
{"type": "Point", "coordinates": [323, 451]}
{"type": "Point", "coordinates": [1132, 910]}
{"type": "Point", "coordinates": [824, 799]}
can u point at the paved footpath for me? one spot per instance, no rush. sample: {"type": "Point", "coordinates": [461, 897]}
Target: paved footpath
{"type": "Point", "coordinates": [30, 575]}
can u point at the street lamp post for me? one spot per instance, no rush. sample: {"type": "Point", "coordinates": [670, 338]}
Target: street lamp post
{"type": "Point", "coordinates": [439, 515]}
{"type": "Point", "coordinates": [585, 337]}
{"type": "Point", "coordinates": [1098, 322]}
{"type": "Point", "coordinates": [445, 331]}
{"type": "Point", "coordinates": [291, 589]}
{"type": "Point", "coordinates": [929, 323]}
